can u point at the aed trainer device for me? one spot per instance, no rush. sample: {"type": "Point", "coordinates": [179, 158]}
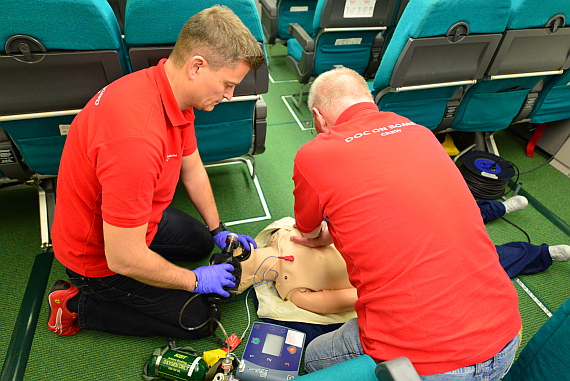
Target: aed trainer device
{"type": "Point", "coordinates": [272, 353]}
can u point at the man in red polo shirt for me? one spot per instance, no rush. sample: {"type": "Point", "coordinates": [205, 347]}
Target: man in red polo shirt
{"type": "Point", "coordinates": [114, 230]}
{"type": "Point", "coordinates": [429, 288]}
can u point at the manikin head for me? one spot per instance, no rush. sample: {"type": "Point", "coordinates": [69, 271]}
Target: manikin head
{"type": "Point", "coordinates": [332, 93]}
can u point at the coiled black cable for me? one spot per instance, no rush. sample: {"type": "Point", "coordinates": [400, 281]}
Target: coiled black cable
{"type": "Point", "coordinates": [487, 188]}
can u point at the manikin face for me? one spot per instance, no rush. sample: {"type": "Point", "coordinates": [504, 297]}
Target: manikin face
{"type": "Point", "coordinates": [217, 85]}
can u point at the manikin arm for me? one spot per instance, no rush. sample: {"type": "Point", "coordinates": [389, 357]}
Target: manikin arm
{"type": "Point", "coordinates": [325, 301]}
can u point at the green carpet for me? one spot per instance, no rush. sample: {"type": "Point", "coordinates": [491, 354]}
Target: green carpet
{"type": "Point", "coordinates": [98, 356]}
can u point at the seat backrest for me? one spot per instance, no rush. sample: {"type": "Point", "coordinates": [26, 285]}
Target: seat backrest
{"type": "Point", "coordinates": [547, 37]}
{"type": "Point", "coordinates": [61, 37]}
{"type": "Point", "coordinates": [276, 15]}
{"type": "Point", "coordinates": [152, 28]}
{"type": "Point", "coordinates": [536, 39]}
{"type": "Point", "coordinates": [344, 33]}
{"type": "Point", "coordinates": [54, 56]}
{"type": "Point", "coordinates": [301, 12]}
{"type": "Point", "coordinates": [438, 41]}
{"type": "Point", "coordinates": [535, 46]}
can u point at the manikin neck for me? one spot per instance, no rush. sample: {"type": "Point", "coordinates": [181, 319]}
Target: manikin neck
{"type": "Point", "coordinates": [253, 263]}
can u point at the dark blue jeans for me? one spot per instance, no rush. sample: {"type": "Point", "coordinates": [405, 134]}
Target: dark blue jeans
{"type": "Point", "coordinates": [121, 305]}
{"type": "Point", "coordinates": [517, 258]}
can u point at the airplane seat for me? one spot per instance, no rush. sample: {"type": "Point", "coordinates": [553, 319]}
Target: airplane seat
{"type": "Point", "coordinates": [234, 129]}
{"type": "Point", "coordinates": [437, 48]}
{"type": "Point", "coordinates": [276, 15]}
{"type": "Point", "coordinates": [382, 41]}
{"type": "Point", "coordinates": [54, 57]}
{"type": "Point", "coordinates": [343, 35]}
{"type": "Point", "coordinates": [535, 46]}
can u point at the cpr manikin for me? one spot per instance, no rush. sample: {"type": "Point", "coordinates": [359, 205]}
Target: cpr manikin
{"type": "Point", "coordinates": [314, 279]}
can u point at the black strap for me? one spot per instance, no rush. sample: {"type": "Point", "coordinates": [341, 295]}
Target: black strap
{"type": "Point", "coordinates": [450, 110]}
{"type": "Point", "coordinates": [529, 102]}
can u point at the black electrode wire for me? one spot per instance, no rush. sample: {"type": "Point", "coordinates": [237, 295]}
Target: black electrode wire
{"type": "Point", "coordinates": [518, 227]}
{"type": "Point", "coordinates": [546, 162]}
{"type": "Point", "coordinates": [204, 323]}
{"type": "Point", "coordinates": [540, 166]}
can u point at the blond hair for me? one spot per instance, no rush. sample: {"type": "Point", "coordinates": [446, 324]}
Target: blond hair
{"type": "Point", "coordinates": [219, 36]}
{"type": "Point", "coordinates": [334, 84]}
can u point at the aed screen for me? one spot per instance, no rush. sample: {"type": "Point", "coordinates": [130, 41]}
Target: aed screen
{"type": "Point", "coordinates": [272, 345]}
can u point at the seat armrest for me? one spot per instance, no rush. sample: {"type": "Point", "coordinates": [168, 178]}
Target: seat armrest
{"type": "Point", "coordinates": [303, 37]}
{"type": "Point", "coordinates": [398, 369]}
{"type": "Point", "coordinates": [270, 6]}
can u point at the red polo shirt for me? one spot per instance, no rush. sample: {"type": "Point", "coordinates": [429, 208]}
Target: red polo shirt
{"type": "Point", "coordinates": [429, 282]}
{"type": "Point", "coordinates": [121, 164]}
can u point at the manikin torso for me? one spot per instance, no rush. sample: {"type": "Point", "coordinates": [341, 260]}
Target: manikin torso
{"type": "Point", "coordinates": [315, 279]}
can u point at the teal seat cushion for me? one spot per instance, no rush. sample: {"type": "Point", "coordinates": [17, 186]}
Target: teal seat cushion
{"type": "Point", "coordinates": [39, 141]}
{"type": "Point", "coordinates": [295, 11]}
{"type": "Point", "coordinates": [546, 355]}
{"type": "Point", "coordinates": [359, 368]}
{"type": "Point", "coordinates": [492, 105]}
{"type": "Point", "coordinates": [145, 20]}
{"type": "Point", "coordinates": [331, 51]}
{"type": "Point", "coordinates": [294, 49]}
{"type": "Point", "coordinates": [226, 132]}
{"type": "Point", "coordinates": [317, 18]}
{"type": "Point", "coordinates": [536, 13]}
{"type": "Point", "coordinates": [424, 107]}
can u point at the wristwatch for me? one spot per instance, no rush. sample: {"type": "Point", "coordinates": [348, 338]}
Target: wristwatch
{"type": "Point", "coordinates": [219, 229]}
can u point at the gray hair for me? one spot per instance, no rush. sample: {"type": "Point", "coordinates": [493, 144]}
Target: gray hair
{"type": "Point", "coordinates": [335, 84]}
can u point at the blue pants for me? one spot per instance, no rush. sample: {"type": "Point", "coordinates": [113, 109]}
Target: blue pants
{"type": "Point", "coordinates": [121, 305]}
{"type": "Point", "coordinates": [517, 258]}
{"type": "Point", "coordinates": [344, 344]}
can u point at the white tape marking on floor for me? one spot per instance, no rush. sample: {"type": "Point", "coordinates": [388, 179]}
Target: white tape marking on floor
{"type": "Point", "coordinates": [282, 80]}
{"type": "Point", "coordinates": [533, 297]}
{"type": "Point", "coordinates": [267, 215]}
{"type": "Point", "coordinates": [293, 113]}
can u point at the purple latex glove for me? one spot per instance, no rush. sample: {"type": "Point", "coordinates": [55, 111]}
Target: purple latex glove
{"type": "Point", "coordinates": [245, 240]}
{"type": "Point", "coordinates": [212, 278]}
